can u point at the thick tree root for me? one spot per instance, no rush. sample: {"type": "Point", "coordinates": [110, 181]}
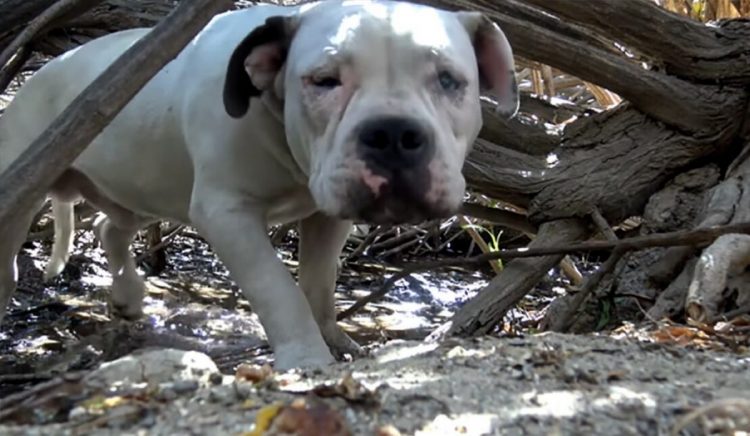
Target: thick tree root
{"type": "Point", "coordinates": [726, 257]}
{"type": "Point", "coordinates": [482, 313]}
{"type": "Point", "coordinates": [719, 271]}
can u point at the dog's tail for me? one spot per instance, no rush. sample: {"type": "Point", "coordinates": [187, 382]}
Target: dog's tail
{"type": "Point", "coordinates": [62, 211]}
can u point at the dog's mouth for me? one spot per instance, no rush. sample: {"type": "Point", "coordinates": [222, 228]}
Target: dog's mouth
{"type": "Point", "coordinates": [394, 205]}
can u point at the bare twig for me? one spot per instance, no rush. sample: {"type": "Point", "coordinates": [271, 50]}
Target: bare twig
{"type": "Point", "coordinates": [12, 68]}
{"type": "Point", "coordinates": [39, 23]}
{"type": "Point", "coordinates": [172, 232]}
{"type": "Point", "coordinates": [366, 243]}
{"type": "Point", "coordinates": [565, 318]}
{"type": "Point", "coordinates": [499, 216]}
{"type": "Point", "coordinates": [399, 239]}
{"type": "Point", "coordinates": [693, 237]}
{"type": "Point", "coordinates": [603, 225]}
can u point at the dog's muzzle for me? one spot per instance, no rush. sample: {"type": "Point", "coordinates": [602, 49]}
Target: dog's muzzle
{"type": "Point", "coordinates": [397, 152]}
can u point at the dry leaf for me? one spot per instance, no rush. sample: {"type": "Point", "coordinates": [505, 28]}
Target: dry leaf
{"type": "Point", "coordinates": [349, 389]}
{"type": "Point", "coordinates": [253, 373]}
{"type": "Point", "coordinates": [303, 418]}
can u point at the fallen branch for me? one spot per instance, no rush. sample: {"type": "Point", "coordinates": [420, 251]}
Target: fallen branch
{"type": "Point", "coordinates": [31, 175]}
{"type": "Point", "coordinates": [40, 23]}
{"type": "Point", "coordinates": [692, 237]}
{"type": "Point", "coordinates": [566, 316]}
{"type": "Point", "coordinates": [171, 232]}
{"type": "Point", "coordinates": [13, 67]}
{"type": "Point", "coordinates": [728, 255]}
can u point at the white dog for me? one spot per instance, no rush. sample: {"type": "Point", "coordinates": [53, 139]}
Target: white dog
{"type": "Point", "coordinates": [324, 113]}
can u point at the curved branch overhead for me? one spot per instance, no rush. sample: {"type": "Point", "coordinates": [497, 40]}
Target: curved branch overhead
{"type": "Point", "coordinates": [688, 49]}
{"type": "Point", "coordinates": [688, 106]}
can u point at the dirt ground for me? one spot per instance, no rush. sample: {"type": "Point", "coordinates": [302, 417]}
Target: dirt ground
{"type": "Point", "coordinates": [191, 366]}
{"type": "Point", "coordinates": [543, 384]}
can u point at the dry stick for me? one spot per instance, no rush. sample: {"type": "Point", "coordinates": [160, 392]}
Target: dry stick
{"type": "Point", "coordinates": [566, 318]}
{"type": "Point", "coordinates": [603, 225]}
{"type": "Point", "coordinates": [498, 216]}
{"type": "Point", "coordinates": [366, 243]}
{"type": "Point", "coordinates": [569, 316]}
{"type": "Point", "coordinates": [692, 237]}
{"type": "Point", "coordinates": [30, 32]}
{"type": "Point", "coordinates": [30, 176]}
{"type": "Point", "coordinates": [398, 239]}
{"type": "Point", "coordinates": [15, 66]}
{"type": "Point", "coordinates": [172, 232]}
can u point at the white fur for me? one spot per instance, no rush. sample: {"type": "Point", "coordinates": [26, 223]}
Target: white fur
{"type": "Point", "coordinates": [174, 153]}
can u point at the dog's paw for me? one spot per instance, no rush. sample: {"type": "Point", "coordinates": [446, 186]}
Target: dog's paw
{"type": "Point", "coordinates": [128, 312]}
{"type": "Point", "coordinates": [302, 357]}
{"type": "Point", "coordinates": [340, 344]}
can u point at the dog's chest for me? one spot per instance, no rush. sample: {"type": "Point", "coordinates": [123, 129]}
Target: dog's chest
{"type": "Point", "coordinates": [291, 207]}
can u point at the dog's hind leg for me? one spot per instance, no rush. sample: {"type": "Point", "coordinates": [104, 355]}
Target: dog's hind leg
{"type": "Point", "coordinates": [128, 287]}
{"type": "Point", "coordinates": [62, 212]}
{"type": "Point", "coordinates": [10, 243]}
{"type": "Point", "coordinates": [115, 231]}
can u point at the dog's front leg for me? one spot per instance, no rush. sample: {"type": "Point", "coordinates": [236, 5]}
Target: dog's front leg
{"type": "Point", "coordinates": [236, 229]}
{"type": "Point", "coordinates": [321, 241]}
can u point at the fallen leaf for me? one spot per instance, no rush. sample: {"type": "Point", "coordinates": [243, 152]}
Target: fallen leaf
{"type": "Point", "coordinates": [253, 373]}
{"type": "Point", "coordinates": [349, 389]}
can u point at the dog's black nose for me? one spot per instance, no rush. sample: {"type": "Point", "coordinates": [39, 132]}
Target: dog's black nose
{"type": "Point", "coordinates": [394, 143]}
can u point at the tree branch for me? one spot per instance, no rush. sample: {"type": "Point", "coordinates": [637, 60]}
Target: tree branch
{"type": "Point", "coordinates": [689, 49]}
{"type": "Point", "coordinates": [31, 175]}
{"type": "Point", "coordinates": [694, 237]}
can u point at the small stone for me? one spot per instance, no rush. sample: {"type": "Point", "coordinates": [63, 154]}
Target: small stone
{"type": "Point", "coordinates": [166, 393]}
{"type": "Point", "coordinates": [224, 394]}
{"type": "Point", "coordinates": [182, 387]}
{"type": "Point", "coordinates": [154, 366]}
{"type": "Point", "coordinates": [245, 390]}
{"type": "Point", "coordinates": [215, 378]}
{"type": "Point", "coordinates": [387, 430]}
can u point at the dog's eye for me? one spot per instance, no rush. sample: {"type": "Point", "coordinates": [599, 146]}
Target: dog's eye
{"type": "Point", "coordinates": [449, 82]}
{"type": "Point", "coordinates": [327, 82]}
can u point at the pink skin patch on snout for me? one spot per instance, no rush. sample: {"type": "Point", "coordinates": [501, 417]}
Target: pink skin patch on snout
{"type": "Point", "coordinates": [437, 187]}
{"type": "Point", "coordinates": [373, 181]}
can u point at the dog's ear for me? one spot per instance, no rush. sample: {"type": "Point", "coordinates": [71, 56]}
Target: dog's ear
{"type": "Point", "coordinates": [497, 72]}
{"type": "Point", "coordinates": [255, 63]}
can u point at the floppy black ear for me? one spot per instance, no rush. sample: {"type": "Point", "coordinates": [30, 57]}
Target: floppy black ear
{"type": "Point", "coordinates": [255, 62]}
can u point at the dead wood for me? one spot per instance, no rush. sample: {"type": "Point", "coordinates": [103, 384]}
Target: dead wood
{"type": "Point", "coordinates": [31, 175]}
{"type": "Point", "coordinates": [39, 23]}
{"type": "Point", "coordinates": [156, 255]}
{"type": "Point", "coordinates": [719, 265]}
{"type": "Point", "coordinates": [13, 67]}
{"type": "Point", "coordinates": [555, 246]}
{"type": "Point", "coordinates": [671, 301]}
{"type": "Point", "coordinates": [562, 319]}
{"type": "Point", "coordinates": [481, 314]}
{"type": "Point", "coordinates": [686, 105]}
{"type": "Point", "coordinates": [728, 256]}
{"type": "Point", "coordinates": [687, 49]}
{"type": "Point", "coordinates": [157, 244]}
{"type": "Point", "coordinates": [500, 217]}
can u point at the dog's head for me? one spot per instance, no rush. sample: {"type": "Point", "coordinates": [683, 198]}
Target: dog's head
{"type": "Point", "coordinates": [381, 100]}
